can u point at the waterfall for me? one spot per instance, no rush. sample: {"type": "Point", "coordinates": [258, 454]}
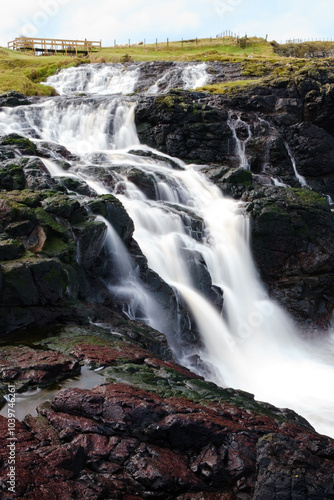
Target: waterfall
{"type": "Point", "coordinates": [238, 128]}
{"type": "Point", "coordinates": [117, 78]}
{"type": "Point", "coordinates": [300, 178]}
{"type": "Point", "coordinates": [105, 79]}
{"type": "Point", "coordinates": [127, 289]}
{"type": "Point", "coordinates": [251, 344]}
{"type": "Point", "coordinates": [104, 122]}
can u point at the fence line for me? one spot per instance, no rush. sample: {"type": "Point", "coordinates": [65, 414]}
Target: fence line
{"type": "Point", "coordinates": [224, 36]}
{"type": "Point", "coordinates": [167, 41]}
{"type": "Point", "coordinates": [301, 40]}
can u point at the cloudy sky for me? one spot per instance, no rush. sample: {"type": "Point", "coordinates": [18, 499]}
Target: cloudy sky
{"type": "Point", "coordinates": [121, 20]}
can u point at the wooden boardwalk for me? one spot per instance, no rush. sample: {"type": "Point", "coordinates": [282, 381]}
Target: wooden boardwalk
{"type": "Point", "coordinates": [53, 46]}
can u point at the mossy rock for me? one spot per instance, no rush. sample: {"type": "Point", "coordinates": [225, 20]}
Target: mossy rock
{"type": "Point", "coordinates": [50, 224]}
{"type": "Point", "coordinates": [12, 99]}
{"type": "Point", "coordinates": [238, 176]}
{"type": "Point", "coordinates": [113, 210]}
{"type": "Point", "coordinates": [26, 197]}
{"type": "Point", "coordinates": [64, 206]}
{"type": "Point", "coordinates": [11, 177]}
{"type": "Point", "coordinates": [24, 145]}
{"type": "Point", "coordinates": [166, 101]}
{"type": "Point", "coordinates": [56, 247]}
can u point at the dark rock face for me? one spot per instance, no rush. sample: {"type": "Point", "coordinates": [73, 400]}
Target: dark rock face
{"type": "Point", "coordinates": [13, 99]}
{"type": "Point", "coordinates": [293, 245]}
{"type": "Point", "coordinates": [284, 125]}
{"type": "Point", "coordinates": [48, 249]}
{"type": "Point", "coordinates": [184, 127]}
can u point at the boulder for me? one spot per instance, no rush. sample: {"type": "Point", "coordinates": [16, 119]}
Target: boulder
{"type": "Point", "coordinates": [13, 99]}
{"type": "Point", "coordinates": [293, 246]}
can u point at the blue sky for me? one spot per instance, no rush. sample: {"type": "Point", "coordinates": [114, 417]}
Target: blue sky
{"type": "Point", "coordinates": [150, 19]}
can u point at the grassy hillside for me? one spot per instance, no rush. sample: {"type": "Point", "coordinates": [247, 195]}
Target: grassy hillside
{"type": "Point", "coordinates": [23, 72]}
{"type": "Point", "coordinates": [221, 49]}
{"type": "Point", "coordinates": [260, 59]}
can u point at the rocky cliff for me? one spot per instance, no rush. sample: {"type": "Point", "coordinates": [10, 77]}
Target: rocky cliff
{"type": "Point", "coordinates": [284, 132]}
{"type": "Point", "coordinates": [153, 429]}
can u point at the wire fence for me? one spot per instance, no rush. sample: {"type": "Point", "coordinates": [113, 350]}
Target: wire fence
{"type": "Point", "coordinates": [224, 36]}
{"type": "Point", "coordinates": [303, 40]}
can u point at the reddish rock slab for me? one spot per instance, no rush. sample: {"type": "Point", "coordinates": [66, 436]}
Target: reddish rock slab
{"type": "Point", "coordinates": [29, 367]}
{"type": "Point", "coordinates": [116, 441]}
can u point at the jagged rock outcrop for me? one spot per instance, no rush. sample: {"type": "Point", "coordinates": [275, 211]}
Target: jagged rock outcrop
{"type": "Point", "coordinates": [282, 129]}
{"type": "Point", "coordinates": [53, 263]}
{"type": "Point", "coordinates": [165, 433]}
{"type": "Point", "coordinates": [293, 245]}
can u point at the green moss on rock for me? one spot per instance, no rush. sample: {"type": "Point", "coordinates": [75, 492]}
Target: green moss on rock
{"type": "Point", "coordinates": [24, 145]}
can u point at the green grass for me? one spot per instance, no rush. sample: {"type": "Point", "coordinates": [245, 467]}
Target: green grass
{"type": "Point", "coordinates": [205, 49]}
{"type": "Point", "coordinates": [259, 60]}
{"type": "Point", "coordinates": [226, 87]}
{"type": "Point", "coordinates": [23, 72]}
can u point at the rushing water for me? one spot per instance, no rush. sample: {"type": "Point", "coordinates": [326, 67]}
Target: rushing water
{"type": "Point", "coordinates": [108, 79]}
{"type": "Point", "coordinates": [252, 344]}
{"type": "Point", "coordinates": [241, 139]}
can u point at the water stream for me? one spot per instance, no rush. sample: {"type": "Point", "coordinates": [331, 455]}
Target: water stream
{"type": "Point", "coordinates": [251, 344]}
{"type": "Point", "coordinates": [241, 133]}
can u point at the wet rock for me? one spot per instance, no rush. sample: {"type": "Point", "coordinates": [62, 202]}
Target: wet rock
{"type": "Point", "coordinates": [293, 245]}
{"type": "Point", "coordinates": [150, 154]}
{"type": "Point", "coordinates": [296, 481]}
{"type": "Point", "coordinates": [25, 367]}
{"type": "Point", "coordinates": [22, 144]}
{"type": "Point", "coordinates": [313, 149]}
{"type": "Point", "coordinates": [13, 99]}
{"type": "Point", "coordinates": [184, 127]}
{"type": "Point", "coordinates": [145, 182]}
{"type": "Point", "coordinates": [181, 433]}
{"type": "Point", "coordinates": [37, 177]}
{"type": "Point", "coordinates": [90, 237]}
{"type": "Point", "coordinates": [112, 209]}
{"type": "Point", "coordinates": [11, 176]}
{"type": "Point", "coordinates": [52, 150]}
{"type": "Point", "coordinates": [119, 441]}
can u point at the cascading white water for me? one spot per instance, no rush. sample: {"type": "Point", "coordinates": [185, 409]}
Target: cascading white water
{"type": "Point", "coordinates": [302, 181]}
{"type": "Point", "coordinates": [254, 345]}
{"type": "Point", "coordinates": [117, 78]}
{"type": "Point", "coordinates": [240, 144]}
{"type": "Point", "coordinates": [104, 79]}
{"type": "Point", "coordinates": [104, 123]}
{"type": "Point", "coordinates": [189, 76]}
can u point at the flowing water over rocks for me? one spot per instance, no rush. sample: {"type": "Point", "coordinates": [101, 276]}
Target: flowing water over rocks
{"type": "Point", "coordinates": [155, 238]}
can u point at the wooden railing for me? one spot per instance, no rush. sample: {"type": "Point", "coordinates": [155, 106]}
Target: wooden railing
{"type": "Point", "coordinates": [54, 46]}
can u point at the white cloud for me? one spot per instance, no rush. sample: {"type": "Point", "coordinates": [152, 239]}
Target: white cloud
{"type": "Point", "coordinates": [160, 19]}
{"type": "Point", "coordinates": [137, 21]}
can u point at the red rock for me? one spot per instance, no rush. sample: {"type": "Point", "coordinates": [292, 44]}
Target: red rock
{"type": "Point", "coordinates": [28, 366]}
